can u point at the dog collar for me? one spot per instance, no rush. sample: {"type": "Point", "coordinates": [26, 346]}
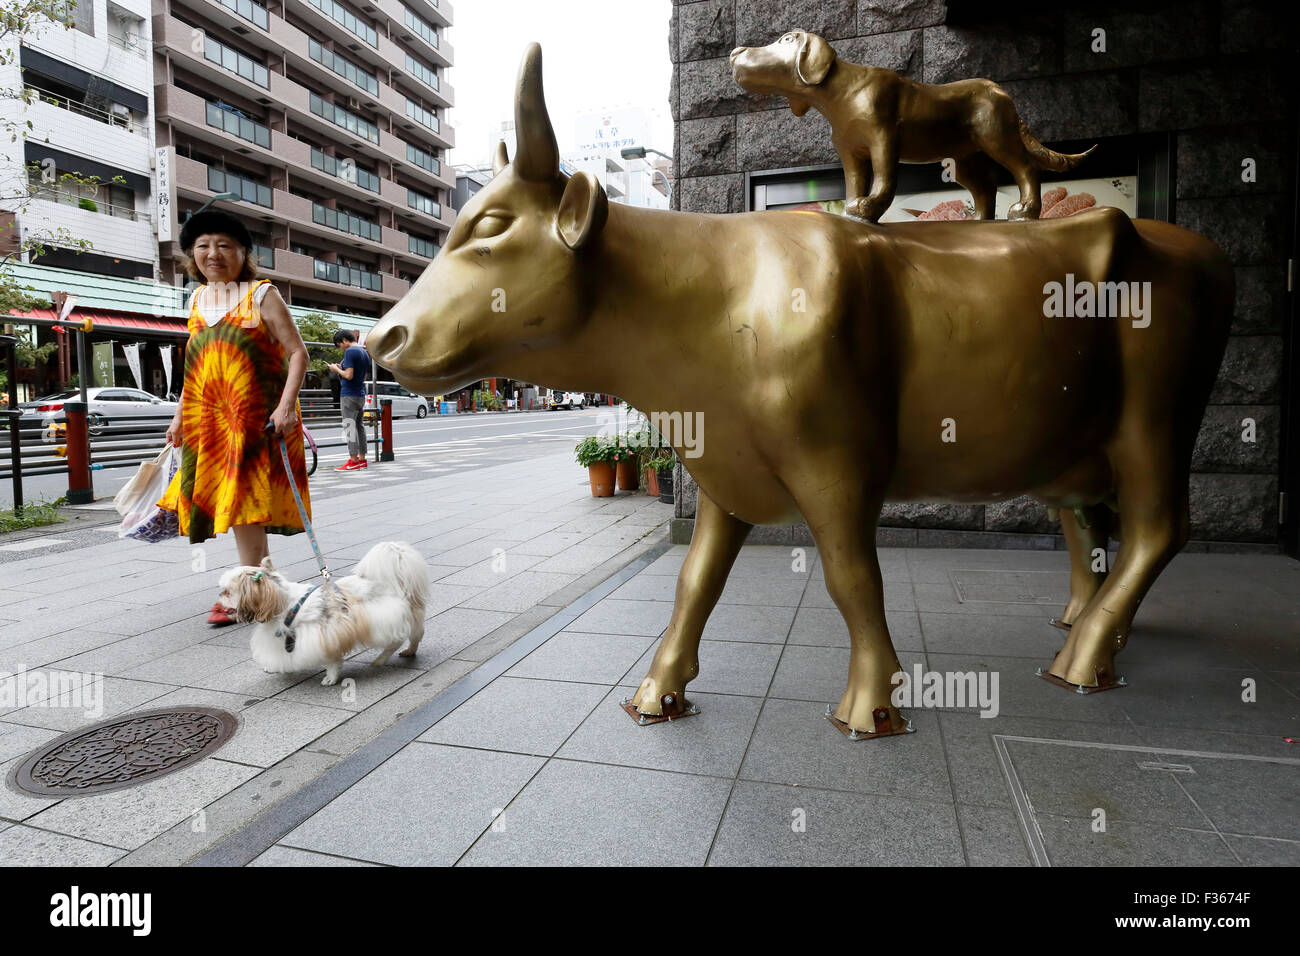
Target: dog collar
{"type": "Point", "coordinates": [286, 626]}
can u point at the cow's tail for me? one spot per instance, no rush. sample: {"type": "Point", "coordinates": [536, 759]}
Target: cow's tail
{"type": "Point", "coordinates": [1050, 159]}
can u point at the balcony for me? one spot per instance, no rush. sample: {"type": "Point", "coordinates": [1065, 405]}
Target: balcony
{"type": "Point", "coordinates": [303, 270]}
{"type": "Point", "coordinates": [397, 11]}
{"type": "Point", "coordinates": [86, 131]}
{"type": "Point", "coordinates": [112, 231]}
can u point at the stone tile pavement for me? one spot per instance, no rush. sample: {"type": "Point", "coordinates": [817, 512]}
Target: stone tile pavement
{"type": "Point", "coordinates": [534, 762]}
{"type": "Point", "coordinates": [508, 545]}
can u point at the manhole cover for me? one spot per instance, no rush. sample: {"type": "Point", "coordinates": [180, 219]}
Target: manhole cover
{"type": "Point", "coordinates": [123, 752]}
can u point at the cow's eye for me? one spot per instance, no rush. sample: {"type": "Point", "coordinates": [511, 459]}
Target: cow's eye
{"type": "Point", "coordinates": [489, 226]}
{"type": "Point", "coordinates": [788, 38]}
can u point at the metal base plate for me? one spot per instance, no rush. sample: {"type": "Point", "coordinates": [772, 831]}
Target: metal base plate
{"type": "Point", "coordinates": [884, 728]}
{"type": "Point", "coordinates": [1057, 622]}
{"type": "Point", "coordinates": [1080, 688]}
{"type": "Point", "coordinates": [672, 710]}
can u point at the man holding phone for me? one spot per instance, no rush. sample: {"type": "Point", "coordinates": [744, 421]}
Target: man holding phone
{"type": "Point", "coordinates": [352, 372]}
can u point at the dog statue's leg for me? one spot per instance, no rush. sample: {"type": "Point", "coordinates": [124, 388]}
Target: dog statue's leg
{"type": "Point", "coordinates": [976, 173]}
{"type": "Point", "coordinates": [884, 172]}
{"type": "Point", "coordinates": [332, 672]}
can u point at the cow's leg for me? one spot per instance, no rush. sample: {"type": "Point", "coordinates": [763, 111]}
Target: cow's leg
{"type": "Point", "coordinates": [1087, 568]}
{"type": "Point", "coordinates": [845, 532]}
{"type": "Point", "coordinates": [715, 543]}
{"type": "Point", "coordinates": [1153, 510]}
{"type": "Point", "coordinates": [975, 172]}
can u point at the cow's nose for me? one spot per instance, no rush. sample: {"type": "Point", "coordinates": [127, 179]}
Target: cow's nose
{"type": "Point", "coordinates": [385, 344]}
{"type": "Point", "coordinates": [737, 51]}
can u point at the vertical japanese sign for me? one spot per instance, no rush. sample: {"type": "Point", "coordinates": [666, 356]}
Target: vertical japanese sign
{"type": "Point", "coordinates": [164, 191]}
{"type": "Point", "coordinates": [102, 363]}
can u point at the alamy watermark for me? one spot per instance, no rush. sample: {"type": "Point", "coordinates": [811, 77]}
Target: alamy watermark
{"type": "Point", "coordinates": [71, 689]}
{"type": "Point", "coordinates": [956, 689]}
{"type": "Point", "coordinates": [1084, 299]}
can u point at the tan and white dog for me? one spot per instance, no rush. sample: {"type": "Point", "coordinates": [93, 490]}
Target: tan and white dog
{"type": "Point", "coordinates": [301, 627]}
{"type": "Point", "coordinates": [880, 119]}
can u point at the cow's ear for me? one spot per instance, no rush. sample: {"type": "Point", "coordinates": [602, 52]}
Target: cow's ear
{"type": "Point", "coordinates": [797, 106]}
{"type": "Point", "coordinates": [583, 210]}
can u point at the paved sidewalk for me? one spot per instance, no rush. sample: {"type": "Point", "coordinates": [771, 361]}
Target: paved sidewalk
{"type": "Point", "coordinates": [508, 545]}
{"type": "Point", "coordinates": [542, 766]}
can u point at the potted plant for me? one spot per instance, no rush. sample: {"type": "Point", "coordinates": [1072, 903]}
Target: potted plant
{"type": "Point", "coordinates": [653, 458]}
{"type": "Point", "coordinates": [626, 453]}
{"type": "Point", "coordinates": [597, 456]}
{"type": "Point", "coordinates": [664, 473]}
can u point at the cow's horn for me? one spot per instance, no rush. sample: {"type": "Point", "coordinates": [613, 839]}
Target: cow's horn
{"type": "Point", "coordinates": [537, 157]}
{"type": "Point", "coordinates": [500, 159]}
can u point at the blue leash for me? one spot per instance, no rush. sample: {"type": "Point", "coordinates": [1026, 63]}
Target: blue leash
{"type": "Point", "coordinates": [287, 628]}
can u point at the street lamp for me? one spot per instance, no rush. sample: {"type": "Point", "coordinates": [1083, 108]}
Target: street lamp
{"type": "Point", "coordinates": [217, 198]}
{"type": "Point", "coordinates": [638, 152]}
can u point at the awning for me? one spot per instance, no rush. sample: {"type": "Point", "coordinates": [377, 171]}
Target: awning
{"type": "Point", "coordinates": [68, 163]}
{"type": "Point", "coordinates": [105, 320]}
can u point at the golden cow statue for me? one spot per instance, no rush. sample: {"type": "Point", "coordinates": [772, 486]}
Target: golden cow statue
{"type": "Point", "coordinates": [1070, 359]}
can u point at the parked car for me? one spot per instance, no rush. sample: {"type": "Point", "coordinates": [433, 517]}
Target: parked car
{"type": "Point", "coordinates": [404, 402]}
{"type": "Point", "coordinates": [104, 406]}
{"type": "Point", "coordinates": [568, 400]}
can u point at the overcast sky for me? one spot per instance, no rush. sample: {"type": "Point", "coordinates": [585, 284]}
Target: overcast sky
{"type": "Point", "coordinates": [596, 54]}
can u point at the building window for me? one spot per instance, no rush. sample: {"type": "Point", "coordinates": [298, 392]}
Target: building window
{"type": "Point", "coordinates": [254, 13]}
{"type": "Point", "coordinates": [250, 190]}
{"type": "Point", "coordinates": [341, 117]}
{"type": "Point", "coordinates": [344, 169]}
{"type": "Point", "coordinates": [217, 52]}
{"type": "Point", "coordinates": [425, 74]}
{"type": "Point", "coordinates": [348, 275]}
{"type": "Point", "coordinates": [422, 203]}
{"type": "Point", "coordinates": [422, 247]}
{"type": "Point", "coordinates": [347, 19]}
{"type": "Point", "coordinates": [429, 33]}
{"type": "Point", "coordinates": [345, 222]}
{"type": "Point", "coordinates": [78, 14]}
{"type": "Point", "coordinates": [422, 159]}
{"type": "Point", "coordinates": [343, 67]}
{"type": "Point", "coordinates": [264, 256]}
{"type": "Point", "coordinates": [422, 116]}
{"type": "Point", "coordinates": [233, 121]}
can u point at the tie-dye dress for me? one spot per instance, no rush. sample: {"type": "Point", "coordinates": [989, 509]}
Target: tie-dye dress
{"type": "Point", "coordinates": [231, 471]}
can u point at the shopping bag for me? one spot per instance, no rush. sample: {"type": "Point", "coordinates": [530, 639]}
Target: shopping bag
{"type": "Point", "coordinates": [134, 495]}
{"type": "Point", "coordinates": [148, 522]}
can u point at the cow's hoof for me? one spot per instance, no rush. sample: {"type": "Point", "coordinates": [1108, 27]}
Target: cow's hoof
{"type": "Point", "coordinates": [866, 715]}
{"type": "Point", "coordinates": [664, 680]}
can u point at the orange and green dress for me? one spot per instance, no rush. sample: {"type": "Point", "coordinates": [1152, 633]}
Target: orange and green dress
{"type": "Point", "coordinates": [231, 471]}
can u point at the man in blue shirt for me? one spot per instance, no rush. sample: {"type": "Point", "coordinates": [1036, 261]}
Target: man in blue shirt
{"type": "Point", "coordinates": [353, 372]}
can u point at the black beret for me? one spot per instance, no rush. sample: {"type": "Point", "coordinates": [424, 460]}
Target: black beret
{"type": "Point", "coordinates": [214, 221]}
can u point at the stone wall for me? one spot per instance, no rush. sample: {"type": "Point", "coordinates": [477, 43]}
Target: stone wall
{"type": "Point", "coordinates": [1217, 75]}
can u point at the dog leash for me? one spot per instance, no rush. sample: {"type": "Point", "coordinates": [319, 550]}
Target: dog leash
{"type": "Point", "coordinates": [286, 628]}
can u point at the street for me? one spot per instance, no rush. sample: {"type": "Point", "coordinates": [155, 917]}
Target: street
{"type": "Point", "coordinates": [472, 440]}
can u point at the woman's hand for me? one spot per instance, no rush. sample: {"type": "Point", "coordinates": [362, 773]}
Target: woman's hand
{"type": "Point", "coordinates": [176, 430]}
{"type": "Point", "coordinates": [284, 419]}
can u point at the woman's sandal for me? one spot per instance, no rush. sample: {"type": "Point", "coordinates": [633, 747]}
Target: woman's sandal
{"type": "Point", "coordinates": [219, 616]}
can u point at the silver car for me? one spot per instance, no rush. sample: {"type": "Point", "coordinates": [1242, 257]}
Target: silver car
{"type": "Point", "coordinates": [404, 402]}
{"type": "Point", "coordinates": [104, 406]}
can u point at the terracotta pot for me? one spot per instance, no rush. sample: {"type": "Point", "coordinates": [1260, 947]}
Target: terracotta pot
{"type": "Point", "coordinates": [627, 475]}
{"type": "Point", "coordinates": [651, 483]}
{"type": "Point", "coordinates": [602, 480]}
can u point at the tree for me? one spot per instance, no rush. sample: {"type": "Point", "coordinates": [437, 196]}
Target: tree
{"type": "Point", "coordinates": [315, 327]}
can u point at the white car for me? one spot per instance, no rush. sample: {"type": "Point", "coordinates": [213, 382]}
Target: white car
{"type": "Point", "coordinates": [404, 402]}
{"type": "Point", "coordinates": [104, 406]}
{"type": "Point", "coordinates": [568, 400]}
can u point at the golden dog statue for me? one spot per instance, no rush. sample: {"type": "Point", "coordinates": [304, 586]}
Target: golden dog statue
{"type": "Point", "coordinates": [1067, 358]}
{"type": "Point", "coordinates": [879, 118]}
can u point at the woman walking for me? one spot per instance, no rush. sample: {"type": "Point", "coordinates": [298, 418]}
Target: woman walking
{"type": "Point", "coordinates": [244, 364]}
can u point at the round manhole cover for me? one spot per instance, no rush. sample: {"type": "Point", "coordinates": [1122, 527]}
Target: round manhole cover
{"type": "Point", "coordinates": [123, 752]}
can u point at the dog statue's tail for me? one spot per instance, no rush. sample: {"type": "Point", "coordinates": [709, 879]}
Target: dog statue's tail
{"type": "Point", "coordinates": [397, 565]}
{"type": "Point", "coordinates": [1050, 159]}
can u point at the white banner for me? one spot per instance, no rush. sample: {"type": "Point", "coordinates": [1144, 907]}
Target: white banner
{"type": "Point", "coordinates": [133, 362]}
{"type": "Point", "coordinates": [166, 351]}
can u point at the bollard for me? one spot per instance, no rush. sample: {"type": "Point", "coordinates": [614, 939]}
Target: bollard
{"type": "Point", "coordinates": [386, 427]}
{"type": "Point", "coordinates": [80, 489]}
{"type": "Point", "coordinates": [9, 343]}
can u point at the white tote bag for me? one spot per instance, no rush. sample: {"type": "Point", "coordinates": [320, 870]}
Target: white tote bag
{"type": "Point", "coordinates": [129, 496]}
{"type": "Point", "coordinates": [146, 521]}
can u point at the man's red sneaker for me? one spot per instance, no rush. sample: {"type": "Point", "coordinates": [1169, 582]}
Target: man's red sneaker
{"type": "Point", "coordinates": [219, 616]}
{"type": "Point", "coordinates": [363, 463]}
{"type": "Point", "coordinates": [350, 465]}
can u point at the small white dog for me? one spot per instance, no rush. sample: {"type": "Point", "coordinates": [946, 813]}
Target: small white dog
{"type": "Point", "coordinates": [302, 626]}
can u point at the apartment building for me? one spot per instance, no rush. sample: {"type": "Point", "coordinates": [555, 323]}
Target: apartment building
{"type": "Point", "coordinates": [91, 114]}
{"type": "Point", "coordinates": [327, 119]}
